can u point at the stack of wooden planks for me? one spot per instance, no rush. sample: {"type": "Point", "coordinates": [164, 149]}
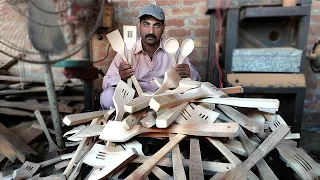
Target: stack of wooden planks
{"type": "Point", "coordinates": [199, 130]}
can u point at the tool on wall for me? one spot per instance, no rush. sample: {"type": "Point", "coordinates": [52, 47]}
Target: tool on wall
{"type": "Point", "coordinates": [314, 57]}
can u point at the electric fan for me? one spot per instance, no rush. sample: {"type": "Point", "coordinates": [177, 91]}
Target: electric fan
{"type": "Point", "coordinates": [47, 31]}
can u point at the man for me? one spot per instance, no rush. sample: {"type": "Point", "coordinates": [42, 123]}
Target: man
{"type": "Point", "coordinates": [149, 59]}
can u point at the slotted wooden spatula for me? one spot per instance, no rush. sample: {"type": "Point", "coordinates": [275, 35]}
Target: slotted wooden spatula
{"type": "Point", "coordinates": [299, 161]}
{"type": "Point", "coordinates": [194, 114]}
{"type": "Point", "coordinates": [215, 130]}
{"type": "Point", "coordinates": [117, 44]}
{"type": "Point", "coordinates": [26, 170]}
{"type": "Point", "coordinates": [122, 95]}
{"type": "Point", "coordinates": [240, 172]}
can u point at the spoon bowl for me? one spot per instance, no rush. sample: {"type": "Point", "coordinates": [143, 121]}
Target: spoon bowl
{"type": "Point", "coordinates": [186, 49]}
{"type": "Point", "coordinates": [171, 45]}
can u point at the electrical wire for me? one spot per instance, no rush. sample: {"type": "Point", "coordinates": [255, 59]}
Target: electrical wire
{"type": "Point", "coordinates": [219, 5]}
{"type": "Point", "coordinates": [108, 50]}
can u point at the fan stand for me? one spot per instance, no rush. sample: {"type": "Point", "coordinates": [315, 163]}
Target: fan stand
{"type": "Point", "coordinates": [53, 102]}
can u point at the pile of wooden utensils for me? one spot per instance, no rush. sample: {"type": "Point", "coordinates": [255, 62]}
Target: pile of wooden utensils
{"type": "Point", "coordinates": [179, 109]}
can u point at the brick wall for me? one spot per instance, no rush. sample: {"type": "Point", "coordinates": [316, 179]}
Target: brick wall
{"type": "Point", "coordinates": [312, 101]}
{"type": "Point", "coordinates": [187, 19]}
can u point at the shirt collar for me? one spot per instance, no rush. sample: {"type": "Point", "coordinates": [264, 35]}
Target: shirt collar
{"type": "Point", "coordinates": [139, 46]}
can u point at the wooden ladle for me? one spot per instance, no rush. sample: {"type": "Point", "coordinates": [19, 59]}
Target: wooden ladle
{"type": "Point", "coordinates": [171, 45]}
{"type": "Point", "coordinates": [186, 49]}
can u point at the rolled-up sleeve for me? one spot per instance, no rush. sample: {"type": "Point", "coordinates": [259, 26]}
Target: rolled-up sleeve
{"type": "Point", "coordinates": [112, 77]}
{"type": "Point", "coordinates": [194, 75]}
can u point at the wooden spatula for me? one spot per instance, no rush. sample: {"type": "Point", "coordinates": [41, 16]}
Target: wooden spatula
{"type": "Point", "coordinates": [240, 172]}
{"type": "Point", "coordinates": [122, 95]}
{"type": "Point", "coordinates": [129, 37]}
{"type": "Point", "coordinates": [264, 169]}
{"type": "Point", "coordinates": [299, 161]}
{"type": "Point", "coordinates": [194, 114]}
{"type": "Point", "coordinates": [52, 145]}
{"type": "Point", "coordinates": [26, 170]}
{"type": "Point", "coordinates": [215, 130]}
{"type": "Point", "coordinates": [117, 44]}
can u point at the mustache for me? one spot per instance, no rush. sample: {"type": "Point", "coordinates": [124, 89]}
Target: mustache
{"type": "Point", "coordinates": [151, 35]}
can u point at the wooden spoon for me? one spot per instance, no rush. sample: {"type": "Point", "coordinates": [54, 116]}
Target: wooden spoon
{"type": "Point", "coordinates": [171, 45]}
{"type": "Point", "coordinates": [240, 172]}
{"type": "Point", "coordinates": [186, 48]}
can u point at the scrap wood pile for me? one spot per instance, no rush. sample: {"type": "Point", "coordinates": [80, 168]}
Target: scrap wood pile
{"type": "Point", "coordinates": [21, 99]}
{"type": "Point", "coordinates": [20, 95]}
{"type": "Point", "coordinates": [187, 113]}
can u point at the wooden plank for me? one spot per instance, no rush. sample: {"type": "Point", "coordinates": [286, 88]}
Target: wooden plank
{"type": "Point", "coordinates": [214, 130]}
{"type": "Point", "coordinates": [266, 80]}
{"type": "Point", "coordinates": [33, 106]}
{"type": "Point", "coordinates": [195, 170]}
{"type": "Point", "coordinates": [149, 120]}
{"type": "Point", "coordinates": [8, 65]}
{"type": "Point", "coordinates": [243, 120]}
{"type": "Point", "coordinates": [240, 172]}
{"type": "Point", "coordinates": [165, 119]}
{"type": "Point", "coordinates": [74, 119]}
{"type": "Point", "coordinates": [232, 90]}
{"type": "Point", "coordinates": [264, 170]}
{"type": "Point", "coordinates": [15, 112]}
{"type": "Point", "coordinates": [142, 171]}
{"type": "Point", "coordinates": [25, 91]}
{"type": "Point", "coordinates": [28, 133]}
{"type": "Point", "coordinates": [178, 168]}
{"type": "Point", "coordinates": [244, 102]}
{"type": "Point", "coordinates": [24, 79]}
{"type": "Point", "coordinates": [107, 16]}
{"type": "Point", "coordinates": [207, 165]}
{"type": "Point", "coordinates": [131, 120]}
{"type": "Point", "coordinates": [161, 174]}
{"type": "Point", "coordinates": [16, 143]}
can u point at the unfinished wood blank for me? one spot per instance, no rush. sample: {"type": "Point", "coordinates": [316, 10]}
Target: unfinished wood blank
{"type": "Point", "coordinates": [243, 120]}
{"type": "Point", "coordinates": [240, 172]}
{"type": "Point", "coordinates": [19, 147]}
{"type": "Point", "coordinates": [195, 169]}
{"type": "Point", "coordinates": [142, 171]}
{"type": "Point", "coordinates": [178, 168]}
{"type": "Point", "coordinates": [74, 119]}
{"type": "Point", "coordinates": [215, 130]}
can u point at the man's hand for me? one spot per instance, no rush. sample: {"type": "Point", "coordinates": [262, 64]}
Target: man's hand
{"type": "Point", "coordinates": [125, 70]}
{"type": "Point", "coordinates": [183, 70]}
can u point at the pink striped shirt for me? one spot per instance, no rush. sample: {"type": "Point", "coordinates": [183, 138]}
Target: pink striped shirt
{"type": "Point", "coordinates": [144, 68]}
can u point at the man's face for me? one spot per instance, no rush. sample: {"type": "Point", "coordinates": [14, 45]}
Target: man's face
{"type": "Point", "coordinates": [151, 30]}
